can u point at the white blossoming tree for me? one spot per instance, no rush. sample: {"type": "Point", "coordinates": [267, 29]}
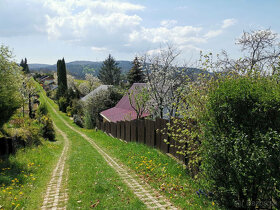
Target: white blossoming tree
{"type": "Point", "coordinates": [91, 83]}
{"type": "Point", "coordinates": [164, 78]}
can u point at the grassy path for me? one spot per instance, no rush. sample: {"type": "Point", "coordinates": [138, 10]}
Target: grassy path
{"type": "Point", "coordinates": [142, 190]}
{"type": "Point", "coordinates": [92, 181]}
{"type": "Point", "coordinates": [55, 195]}
{"type": "Point", "coordinates": [148, 166]}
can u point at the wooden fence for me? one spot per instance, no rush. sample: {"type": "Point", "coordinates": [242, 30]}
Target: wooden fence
{"type": "Point", "coordinates": [143, 131]}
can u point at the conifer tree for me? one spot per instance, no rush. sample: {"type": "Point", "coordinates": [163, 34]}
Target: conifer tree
{"type": "Point", "coordinates": [24, 65]}
{"type": "Point", "coordinates": [61, 78]}
{"type": "Point", "coordinates": [135, 75]}
{"type": "Point", "coordinates": [110, 73]}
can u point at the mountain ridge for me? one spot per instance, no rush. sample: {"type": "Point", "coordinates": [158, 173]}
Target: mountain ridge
{"type": "Point", "coordinates": [80, 68]}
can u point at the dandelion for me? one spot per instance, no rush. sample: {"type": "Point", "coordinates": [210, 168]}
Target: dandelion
{"type": "Point", "coordinates": [213, 203]}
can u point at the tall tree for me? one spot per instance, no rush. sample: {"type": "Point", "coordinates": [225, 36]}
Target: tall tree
{"type": "Point", "coordinates": [61, 78]}
{"type": "Point", "coordinates": [110, 73]}
{"type": "Point", "coordinates": [24, 65]}
{"type": "Point", "coordinates": [136, 75]}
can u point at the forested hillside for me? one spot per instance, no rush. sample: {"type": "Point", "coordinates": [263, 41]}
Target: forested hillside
{"type": "Point", "coordinates": [80, 68]}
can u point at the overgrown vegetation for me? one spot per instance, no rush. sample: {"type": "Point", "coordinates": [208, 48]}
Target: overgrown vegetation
{"type": "Point", "coordinates": [9, 85]}
{"type": "Point", "coordinates": [242, 140]}
{"type": "Point", "coordinates": [228, 127]}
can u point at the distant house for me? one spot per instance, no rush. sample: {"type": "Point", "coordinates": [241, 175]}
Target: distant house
{"type": "Point", "coordinates": [123, 110]}
{"type": "Point", "coordinates": [48, 84]}
{"type": "Point", "coordinates": [95, 91]}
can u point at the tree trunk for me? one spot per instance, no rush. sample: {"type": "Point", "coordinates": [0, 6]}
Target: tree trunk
{"type": "Point", "coordinates": [30, 106]}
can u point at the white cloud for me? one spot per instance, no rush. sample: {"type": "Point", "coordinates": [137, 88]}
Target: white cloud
{"type": "Point", "coordinates": [177, 34]}
{"type": "Point", "coordinates": [99, 49]}
{"type": "Point", "coordinates": [213, 33]}
{"type": "Point", "coordinates": [228, 22]}
{"type": "Point", "coordinates": [168, 23]}
{"type": "Point", "coordinates": [92, 22]}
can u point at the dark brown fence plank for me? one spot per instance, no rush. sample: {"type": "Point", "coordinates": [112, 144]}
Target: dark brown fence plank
{"type": "Point", "coordinates": [133, 130]}
{"type": "Point", "coordinates": [106, 127]}
{"type": "Point", "coordinates": [110, 128]}
{"type": "Point", "coordinates": [153, 133]}
{"type": "Point", "coordinates": [118, 130]}
{"type": "Point", "coordinates": [114, 130]}
{"type": "Point", "coordinates": [158, 133]}
{"type": "Point", "coordinates": [127, 131]}
{"type": "Point", "coordinates": [122, 130]}
{"type": "Point", "coordinates": [141, 131]}
{"type": "Point", "coordinates": [163, 146]}
{"type": "Point", "coordinates": [147, 133]}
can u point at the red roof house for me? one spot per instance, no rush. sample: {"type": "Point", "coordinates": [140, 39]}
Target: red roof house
{"type": "Point", "coordinates": [123, 110]}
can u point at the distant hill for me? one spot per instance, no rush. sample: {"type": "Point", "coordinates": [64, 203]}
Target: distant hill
{"type": "Point", "coordinates": [79, 68]}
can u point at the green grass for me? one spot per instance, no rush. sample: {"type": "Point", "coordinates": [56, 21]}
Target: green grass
{"type": "Point", "coordinates": [79, 81]}
{"type": "Point", "coordinates": [160, 171]}
{"type": "Point", "coordinates": [91, 180]}
{"type": "Point", "coordinates": [24, 176]}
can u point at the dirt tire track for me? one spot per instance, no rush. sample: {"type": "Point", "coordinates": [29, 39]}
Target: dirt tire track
{"type": "Point", "coordinates": [56, 197]}
{"type": "Point", "coordinates": [141, 189]}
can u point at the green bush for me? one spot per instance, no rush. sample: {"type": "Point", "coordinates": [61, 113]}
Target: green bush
{"type": "Point", "coordinates": [88, 121]}
{"type": "Point", "coordinates": [242, 141]}
{"type": "Point", "coordinates": [42, 109]}
{"type": "Point", "coordinates": [69, 111]}
{"type": "Point", "coordinates": [77, 107]}
{"type": "Point", "coordinates": [78, 120]}
{"type": "Point", "coordinates": [47, 129]}
{"type": "Point", "coordinates": [62, 104]}
{"type": "Point", "coordinates": [28, 131]}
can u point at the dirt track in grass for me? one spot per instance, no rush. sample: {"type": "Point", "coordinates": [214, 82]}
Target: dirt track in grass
{"type": "Point", "coordinates": [141, 189]}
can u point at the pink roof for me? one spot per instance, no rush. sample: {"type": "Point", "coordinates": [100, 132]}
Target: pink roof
{"type": "Point", "coordinates": [123, 110]}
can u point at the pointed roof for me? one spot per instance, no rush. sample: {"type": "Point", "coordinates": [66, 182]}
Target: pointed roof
{"type": "Point", "coordinates": [123, 110]}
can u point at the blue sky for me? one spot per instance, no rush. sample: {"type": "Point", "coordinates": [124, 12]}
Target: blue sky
{"type": "Point", "coordinates": [44, 31]}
